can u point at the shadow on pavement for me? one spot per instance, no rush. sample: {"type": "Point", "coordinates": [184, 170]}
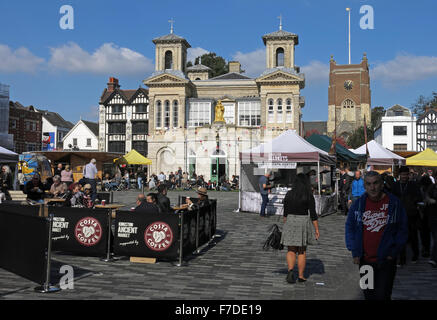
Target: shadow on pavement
{"type": "Point", "coordinates": [313, 266]}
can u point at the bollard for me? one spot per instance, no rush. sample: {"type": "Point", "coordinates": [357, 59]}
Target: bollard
{"type": "Point", "coordinates": [181, 244]}
{"type": "Point", "coordinates": [109, 257]}
{"type": "Point", "coordinates": [47, 288]}
{"type": "Point", "coordinates": [197, 251]}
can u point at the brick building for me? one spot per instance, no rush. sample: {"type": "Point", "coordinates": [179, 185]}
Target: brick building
{"type": "Point", "coordinates": [25, 124]}
{"type": "Point", "coordinates": [349, 97]}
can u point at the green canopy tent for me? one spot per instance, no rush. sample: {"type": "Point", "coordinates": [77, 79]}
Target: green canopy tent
{"type": "Point", "coordinates": [343, 155]}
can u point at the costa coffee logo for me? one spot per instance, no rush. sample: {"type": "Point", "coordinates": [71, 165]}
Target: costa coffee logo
{"type": "Point", "coordinates": [88, 231]}
{"type": "Point", "coordinates": [158, 236]}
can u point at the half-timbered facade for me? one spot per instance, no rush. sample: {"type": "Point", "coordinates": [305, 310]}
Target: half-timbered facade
{"type": "Point", "coordinates": [427, 130]}
{"type": "Point", "coordinates": [123, 119]}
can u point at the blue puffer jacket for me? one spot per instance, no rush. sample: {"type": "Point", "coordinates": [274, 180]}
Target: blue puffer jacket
{"type": "Point", "coordinates": [395, 233]}
{"type": "Point", "coordinates": [357, 188]}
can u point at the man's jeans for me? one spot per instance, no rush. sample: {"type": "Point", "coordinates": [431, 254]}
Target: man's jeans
{"type": "Point", "coordinates": [383, 279]}
{"type": "Point", "coordinates": [433, 227]}
{"type": "Point", "coordinates": [265, 200]}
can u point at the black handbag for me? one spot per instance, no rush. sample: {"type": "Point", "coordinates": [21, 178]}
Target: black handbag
{"type": "Point", "coordinates": [274, 239]}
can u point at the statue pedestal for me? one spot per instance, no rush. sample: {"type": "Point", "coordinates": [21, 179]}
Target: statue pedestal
{"type": "Point", "coordinates": [217, 125]}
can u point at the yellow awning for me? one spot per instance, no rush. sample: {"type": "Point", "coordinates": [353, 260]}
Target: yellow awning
{"type": "Point", "coordinates": [427, 158]}
{"type": "Point", "coordinates": [133, 157]}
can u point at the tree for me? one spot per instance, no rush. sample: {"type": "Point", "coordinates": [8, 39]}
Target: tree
{"type": "Point", "coordinates": [217, 64]}
{"type": "Point", "coordinates": [418, 108]}
{"type": "Point", "coordinates": [357, 138]}
{"type": "Point", "coordinates": [377, 114]}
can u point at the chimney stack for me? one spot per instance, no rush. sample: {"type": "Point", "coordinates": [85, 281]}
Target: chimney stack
{"type": "Point", "coordinates": [113, 84]}
{"type": "Point", "coordinates": [234, 66]}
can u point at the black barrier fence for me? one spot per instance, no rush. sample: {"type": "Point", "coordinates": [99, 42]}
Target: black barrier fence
{"type": "Point", "coordinates": [28, 210]}
{"type": "Point", "coordinates": [147, 235]}
{"type": "Point", "coordinates": [159, 235]}
{"type": "Point", "coordinates": [80, 230]}
{"type": "Point", "coordinates": [24, 245]}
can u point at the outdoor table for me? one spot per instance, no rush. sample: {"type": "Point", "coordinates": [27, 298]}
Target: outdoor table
{"type": "Point", "coordinates": [48, 200]}
{"type": "Point", "coordinates": [113, 206]}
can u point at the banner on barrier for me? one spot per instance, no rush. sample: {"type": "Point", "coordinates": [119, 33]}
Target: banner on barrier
{"type": "Point", "coordinates": [151, 235]}
{"type": "Point", "coordinates": [23, 245]}
{"type": "Point", "coordinates": [80, 230]}
{"type": "Point", "coordinates": [27, 210]}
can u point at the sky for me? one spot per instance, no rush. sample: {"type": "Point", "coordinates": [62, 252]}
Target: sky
{"type": "Point", "coordinates": [66, 70]}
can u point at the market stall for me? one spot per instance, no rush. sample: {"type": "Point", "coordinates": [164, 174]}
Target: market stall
{"type": "Point", "coordinates": [427, 158]}
{"type": "Point", "coordinates": [286, 156]}
{"type": "Point", "coordinates": [380, 158]}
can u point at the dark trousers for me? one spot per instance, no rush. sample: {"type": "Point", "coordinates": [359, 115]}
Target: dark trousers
{"type": "Point", "coordinates": [433, 228]}
{"type": "Point", "coordinates": [265, 200]}
{"type": "Point", "coordinates": [384, 276]}
{"type": "Point", "coordinates": [413, 238]}
{"type": "Point", "coordinates": [425, 232]}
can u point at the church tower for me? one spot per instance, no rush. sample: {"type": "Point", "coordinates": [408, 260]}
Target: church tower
{"type": "Point", "coordinates": [280, 49]}
{"type": "Point", "coordinates": [171, 53]}
{"type": "Point", "coordinates": [349, 97]}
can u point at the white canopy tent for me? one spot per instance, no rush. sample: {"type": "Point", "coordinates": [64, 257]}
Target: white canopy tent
{"type": "Point", "coordinates": [7, 156]}
{"type": "Point", "coordinates": [379, 156]}
{"type": "Point", "coordinates": [285, 151]}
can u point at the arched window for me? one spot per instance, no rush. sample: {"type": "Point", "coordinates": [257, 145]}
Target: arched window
{"type": "Point", "coordinates": [175, 114]}
{"type": "Point", "coordinates": [280, 57]}
{"type": "Point", "coordinates": [158, 114]}
{"type": "Point", "coordinates": [279, 117]}
{"type": "Point", "coordinates": [167, 114]}
{"type": "Point", "coordinates": [271, 112]}
{"type": "Point", "coordinates": [288, 109]}
{"type": "Point", "coordinates": [197, 79]}
{"type": "Point", "coordinates": [348, 103]}
{"type": "Point", "coordinates": [168, 60]}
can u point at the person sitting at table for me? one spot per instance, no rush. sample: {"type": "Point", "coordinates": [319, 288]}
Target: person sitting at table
{"type": "Point", "coordinates": [202, 202]}
{"type": "Point", "coordinates": [87, 196]}
{"type": "Point", "coordinates": [163, 200]}
{"type": "Point", "coordinates": [75, 198]}
{"type": "Point", "coordinates": [145, 207]}
{"type": "Point", "coordinates": [35, 189]}
{"type": "Point", "coordinates": [58, 188]}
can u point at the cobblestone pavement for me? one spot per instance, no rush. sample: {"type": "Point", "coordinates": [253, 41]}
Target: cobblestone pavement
{"type": "Point", "coordinates": [235, 268]}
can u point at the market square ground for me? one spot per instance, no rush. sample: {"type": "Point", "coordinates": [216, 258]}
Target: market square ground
{"type": "Point", "coordinates": [235, 268]}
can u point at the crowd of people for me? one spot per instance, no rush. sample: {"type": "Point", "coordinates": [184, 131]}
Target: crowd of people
{"type": "Point", "coordinates": [156, 203]}
{"type": "Point", "coordinates": [182, 180]}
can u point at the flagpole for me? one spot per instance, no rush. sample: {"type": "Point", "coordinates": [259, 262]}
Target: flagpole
{"type": "Point", "coordinates": [349, 11]}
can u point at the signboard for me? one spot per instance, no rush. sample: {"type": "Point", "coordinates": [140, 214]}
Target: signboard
{"type": "Point", "coordinates": [80, 230]}
{"type": "Point", "coordinates": [151, 235]}
{"type": "Point", "coordinates": [277, 165]}
{"type": "Point", "coordinates": [48, 141]}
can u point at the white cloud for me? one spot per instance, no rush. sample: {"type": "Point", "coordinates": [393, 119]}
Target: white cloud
{"type": "Point", "coordinates": [20, 60]}
{"type": "Point", "coordinates": [108, 59]}
{"type": "Point", "coordinates": [254, 63]}
{"type": "Point", "coordinates": [92, 114]}
{"type": "Point", "coordinates": [316, 72]}
{"type": "Point", "coordinates": [405, 68]}
{"type": "Point", "coordinates": [193, 53]}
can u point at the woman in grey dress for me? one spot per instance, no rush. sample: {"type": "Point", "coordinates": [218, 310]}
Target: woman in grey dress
{"type": "Point", "coordinates": [297, 233]}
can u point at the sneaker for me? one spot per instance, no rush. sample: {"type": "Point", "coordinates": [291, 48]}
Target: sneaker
{"type": "Point", "coordinates": [414, 259]}
{"type": "Point", "coordinates": [290, 277]}
{"type": "Point", "coordinates": [432, 263]}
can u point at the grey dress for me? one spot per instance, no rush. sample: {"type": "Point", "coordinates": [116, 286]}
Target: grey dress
{"type": "Point", "coordinates": [298, 230]}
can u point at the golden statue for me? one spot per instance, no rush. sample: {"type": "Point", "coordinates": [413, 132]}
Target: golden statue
{"type": "Point", "coordinates": [219, 112]}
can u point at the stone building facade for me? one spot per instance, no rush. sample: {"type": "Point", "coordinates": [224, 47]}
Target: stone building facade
{"type": "Point", "coordinates": [181, 128]}
{"type": "Point", "coordinates": [349, 97]}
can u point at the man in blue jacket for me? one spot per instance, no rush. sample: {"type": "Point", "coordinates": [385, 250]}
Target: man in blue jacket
{"type": "Point", "coordinates": [357, 188]}
{"type": "Point", "coordinates": [376, 232]}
